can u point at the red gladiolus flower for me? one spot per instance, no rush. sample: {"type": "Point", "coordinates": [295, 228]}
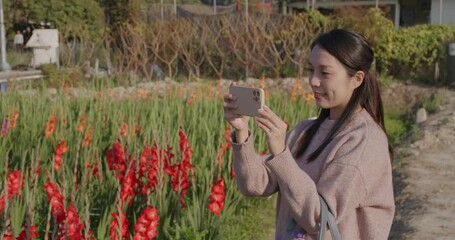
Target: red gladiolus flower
{"type": "Point", "coordinates": [217, 197]}
{"type": "Point", "coordinates": [8, 232]}
{"type": "Point", "coordinates": [147, 224]}
{"type": "Point", "coordinates": [115, 225]}
{"type": "Point", "coordinates": [127, 192]}
{"type": "Point", "coordinates": [23, 234]}
{"type": "Point", "coordinates": [227, 135]}
{"type": "Point", "coordinates": [74, 223]}
{"type": "Point", "coordinates": [116, 160]}
{"type": "Point", "coordinates": [56, 199]}
{"type": "Point", "coordinates": [15, 183]}
{"type": "Point", "coordinates": [224, 148]}
{"type": "Point", "coordinates": [185, 146]}
{"type": "Point", "coordinates": [50, 127]}
{"type": "Point", "coordinates": [81, 126]}
{"type": "Point", "coordinates": [180, 180]}
{"type": "Point", "coordinates": [58, 156]}
{"type": "Point", "coordinates": [2, 204]}
{"type": "Point", "coordinates": [148, 168]}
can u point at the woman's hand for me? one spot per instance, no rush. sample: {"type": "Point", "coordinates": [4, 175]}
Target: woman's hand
{"type": "Point", "coordinates": [274, 128]}
{"type": "Point", "coordinates": [238, 122]}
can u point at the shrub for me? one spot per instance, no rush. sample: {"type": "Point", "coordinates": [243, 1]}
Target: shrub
{"type": "Point", "coordinates": [376, 27]}
{"type": "Point", "coordinates": [418, 48]}
{"type": "Point", "coordinates": [396, 130]}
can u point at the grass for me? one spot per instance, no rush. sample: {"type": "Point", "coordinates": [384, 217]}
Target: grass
{"type": "Point", "coordinates": [256, 221]}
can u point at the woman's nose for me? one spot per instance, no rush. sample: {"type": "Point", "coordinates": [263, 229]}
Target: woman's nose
{"type": "Point", "coordinates": [314, 80]}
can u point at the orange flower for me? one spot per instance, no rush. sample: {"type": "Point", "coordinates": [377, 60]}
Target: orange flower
{"type": "Point", "coordinates": [143, 93]}
{"type": "Point", "coordinates": [98, 95]}
{"type": "Point", "coordinates": [191, 101]}
{"type": "Point", "coordinates": [138, 129]}
{"type": "Point", "coordinates": [309, 97]}
{"type": "Point", "coordinates": [295, 90]}
{"type": "Point", "coordinates": [124, 130]}
{"type": "Point", "coordinates": [263, 81]}
{"type": "Point", "coordinates": [64, 121]}
{"type": "Point", "coordinates": [88, 137]}
{"type": "Point", "coordinates": [81, 126]}
{"type": "Point", "coordinates": [50, 127]}
{"type": "Point", "coordinates": [14, 119]}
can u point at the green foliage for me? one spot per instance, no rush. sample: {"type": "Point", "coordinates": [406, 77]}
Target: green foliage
{"type": "Point", "coordinates": [417, 48]}
{"type": "Point", "coordinates": [55, 77]}
{"type": "Point", "coordinates": [433, 103]}
{"type": "Point", "coordinates": [396, 130]}
{"type": "Point", "coordinates": [81, 19]}
{"type": "Point", "coordinates": [377, 28]}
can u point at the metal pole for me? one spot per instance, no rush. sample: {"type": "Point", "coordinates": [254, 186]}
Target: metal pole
{"type": "Point", "coordinates": [214, 6]}
{"type": "Point", "coordinates": [377, 3]}
{"type": "Point", "coordinates": [5, 65]}
{"type": "Point", "coordinates": [440, 11]}
{"type": "Point", "coordinates": [246, 15]}
{"type": "Point", "coordinates": [162, 9]}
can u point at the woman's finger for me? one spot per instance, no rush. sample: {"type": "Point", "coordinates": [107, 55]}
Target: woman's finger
{"type": "Point", "coordinates": [265, 128]}
{"type": "Point", "coordinates": [230, 106]}
{"type": "Point", "coordinates": [231, 116]}
{"type": "Point", "coordinates": [266, 123]}
{"type": "Point", "coordinates": [229, 98]}
{"type": "Point", "coordinates": [271, 116]}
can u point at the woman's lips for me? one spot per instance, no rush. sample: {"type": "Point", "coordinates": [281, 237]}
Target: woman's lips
{"type": "Point", "coordinates": [318, 95]}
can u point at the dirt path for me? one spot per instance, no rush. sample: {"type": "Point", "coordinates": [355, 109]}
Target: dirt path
{"type": "Point", "coordinates": [425, 180]}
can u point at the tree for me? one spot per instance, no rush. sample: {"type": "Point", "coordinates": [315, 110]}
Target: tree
{"type": "Point", "coordinates": [82, 19]}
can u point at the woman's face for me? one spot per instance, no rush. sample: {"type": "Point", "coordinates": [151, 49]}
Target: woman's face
{"type": "Point", "coordinates": [331, 84]}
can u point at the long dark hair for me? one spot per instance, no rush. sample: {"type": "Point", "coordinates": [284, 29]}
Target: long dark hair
{"type": "Point", "coordinates": [355, 54]}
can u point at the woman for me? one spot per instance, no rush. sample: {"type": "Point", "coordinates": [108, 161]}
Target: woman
{"type": "Point", "coordinates": [343, 155]}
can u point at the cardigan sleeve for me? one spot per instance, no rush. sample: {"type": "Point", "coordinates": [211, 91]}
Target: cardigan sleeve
{"type": "Point", "coordinates": [253, 176]}
{"type": "Point", "coordinates": [341, 184]}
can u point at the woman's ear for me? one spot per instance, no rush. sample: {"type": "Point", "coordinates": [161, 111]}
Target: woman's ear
{"type": "Point", "coordinates": [358, 78]}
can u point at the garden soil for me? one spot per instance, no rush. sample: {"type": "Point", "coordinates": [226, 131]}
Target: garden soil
{"type": "Point", "coordinates": [424, 171]}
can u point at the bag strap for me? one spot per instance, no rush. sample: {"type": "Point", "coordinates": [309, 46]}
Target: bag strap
{"type": "Point", "coordinates": [327, 218]}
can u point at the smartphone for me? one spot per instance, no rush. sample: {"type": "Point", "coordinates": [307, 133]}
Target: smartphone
{"type": "Point", "coordinates": [249, 100]}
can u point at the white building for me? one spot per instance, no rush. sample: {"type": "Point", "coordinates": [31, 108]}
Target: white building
{"type": "Point", "coordinates": [45, 45]}
{"type": "Point", "coordinates": [442, 12]}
